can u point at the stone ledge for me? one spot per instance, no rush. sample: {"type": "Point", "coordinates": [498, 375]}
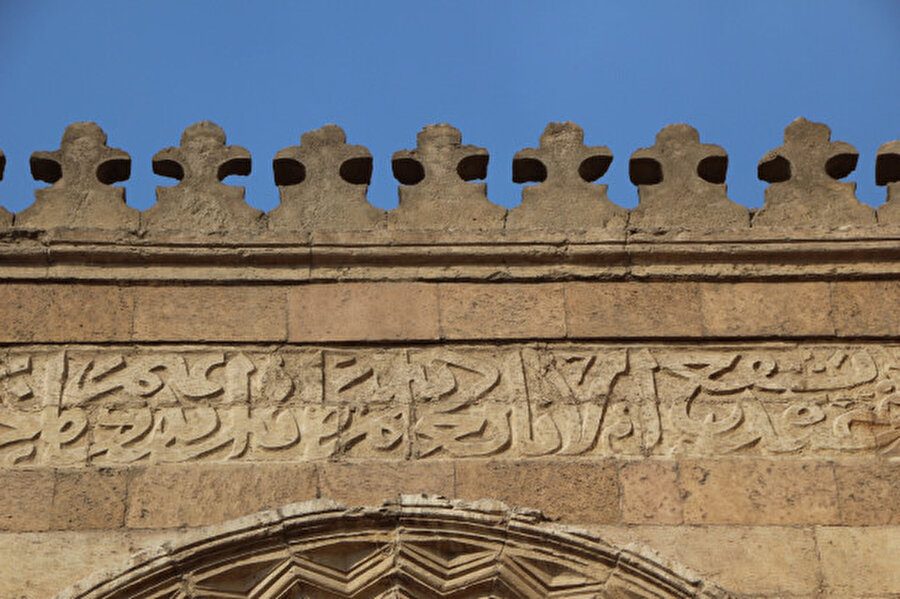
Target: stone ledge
{"type": "Point", "coordinates": [436, 256]}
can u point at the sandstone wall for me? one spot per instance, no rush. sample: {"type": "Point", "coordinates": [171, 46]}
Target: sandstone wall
{"type": "Point", "coordinates": [719, 386]}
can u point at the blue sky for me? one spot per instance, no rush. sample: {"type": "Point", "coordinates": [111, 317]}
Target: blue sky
{"type": "Point", "coordinates": [497, 70]}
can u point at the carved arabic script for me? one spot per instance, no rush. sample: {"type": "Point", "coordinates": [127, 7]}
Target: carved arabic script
{"type": "Point", "coordinates": [96, 405]}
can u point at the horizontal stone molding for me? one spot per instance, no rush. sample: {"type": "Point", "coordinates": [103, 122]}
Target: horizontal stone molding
{"type": "Point", "coordinates": [114, 406]}
{"type": "Point", "coordinates": [417, 546]}
{"type": "Point", "coordinates": [365, 256]}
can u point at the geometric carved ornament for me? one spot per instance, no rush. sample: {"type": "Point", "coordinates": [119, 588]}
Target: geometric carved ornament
{"type": "Point", "coordinates": [418, 547]}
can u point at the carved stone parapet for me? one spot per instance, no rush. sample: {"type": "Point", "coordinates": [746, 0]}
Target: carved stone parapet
{"type": "Point", "coordinates": [681, 184]}
{"type": "Point", "coordinates": [200, 201]}
{"type": "Point", "coordinates": [565, 197]}
{"type": "Point", "coordinates": [887, 173]}
{"type": "Point", "coordinates": [81, 172]}
{"type": "Point", "coordinates": [322, 184]}
{"type": "Point", "coordinates": [435, 190]}
{"type": "Point", "coordinates": [804, 175]}
{"type": "Point", "coordinates": [6, 217]}
{"type": "Point", "coordinates": [298, 403]}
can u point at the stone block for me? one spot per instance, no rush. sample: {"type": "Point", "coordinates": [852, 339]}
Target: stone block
{"type": "Point", "coordinates": [502, 311]}
{"type": "Point", "coordinates": [650, 493]}
{"type": "Point", "coordinates": [64, 312]}
{"type": "Point", "coordinates": [585, 492]}
{"type": "Point", "coordinates": [376, 311]}
{"type": "Point", "coordinates": [758, 492]}
{"type": "Point", "coordinates": [27, 499]}
{"type": "Point", "coordinates": [210, 313]}
{"type": "Point", "coordinates": [370, 483]}
{"type": "Point", "coordinates": [633, 309]}
{"type": "Point", "coordinates": [89, 498]}
{"type": "Point", "coordinates": [769, 309]}
{"type": "Point", "coordinates": [863, 308]}
{"type": "Point", "coordinates": [860, 561]}
{"type": "Point", "coordinates": [869, 493]}
{"type": "Point", "coordinates": [771, 561]}
{"type": "Point", "coordinates": [166, 496]}
{"type": "Point", "coordinates": [37, 565]}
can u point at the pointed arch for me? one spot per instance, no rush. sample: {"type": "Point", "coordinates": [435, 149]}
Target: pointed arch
{"type": "Point", "coordinates": [415, 547]}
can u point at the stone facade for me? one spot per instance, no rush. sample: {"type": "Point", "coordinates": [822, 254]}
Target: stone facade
{"type": "Point", "coordinates": [451, 399]}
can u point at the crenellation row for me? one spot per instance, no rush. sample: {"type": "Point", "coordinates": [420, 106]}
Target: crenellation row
{"type": "Point", "coordinates": [323, 184]}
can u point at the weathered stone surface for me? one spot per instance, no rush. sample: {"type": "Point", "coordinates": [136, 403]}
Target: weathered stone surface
{"type": "Point", "coordinates": [81, 172]}
{"type": "Point", "coordinates": [869, 493]}
{"type": "Point", "coordinates": [574, 492]}
{"type": "Point", "coordinates": [759, 492]}
{"type": "Point", "coordinates": [210, 313]}
{"type": "Point", "coordinates": [166, 496]}
{"type": "Point", "coordinates": [373, 311]}
{"type": "Point", "coordinates": [866, 308]}
{"type": "Point", "coordinates": [804, 175]}
{"type": "Point", "coordinates": [435, 190]}
{"type": "Point", "coordinates": [6, 217]}
{"type": "Point", "coordinates": [720, 395]}
{"type": "Point", "coordinates": [28, 495]}
{"type": "Point", "coordinates": [681, 184]}
{"type": "Point", "coordinates": [650, 492]}
{"type": "Point", "coordinates": [322, 185]}
{"type": "Point", "coordinates": [771, 309]}
{"type": "Point", "coordinates": [89, 498]}
{"type": "Point", "coordinates": [887, 173]}
{"type": "Point", "coordinates": [370, 482]}
{"type": "Point", "coordinates": [200, 202]}
{"type": "Point", "coordinates": [502, 311]}
{"type": "Point", "coordinates": [633, 309]}
{"type": "Point", "coordinates": [565, 197]}
{"type": "Point", "coordinates": [857, 561]}
{"type": "Point", "coordinates": [64, 313]}
{"type": "Point", "coordinates": [770, 561]}
{"type": "Point", "coordinates": [37, 565]}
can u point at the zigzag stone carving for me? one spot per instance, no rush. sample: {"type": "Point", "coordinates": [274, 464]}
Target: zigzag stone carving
{"type": "Point", "coordinates": [417, 547]}
{"type": "Point", "coordinates": [112, 406]}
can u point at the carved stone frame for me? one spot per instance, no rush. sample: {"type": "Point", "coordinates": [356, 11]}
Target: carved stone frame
{"type": "Point", "coordinates": [418, 546]}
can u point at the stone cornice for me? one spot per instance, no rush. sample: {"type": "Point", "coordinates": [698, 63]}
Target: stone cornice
{"type": "Point", "coordinates": [870, 252]}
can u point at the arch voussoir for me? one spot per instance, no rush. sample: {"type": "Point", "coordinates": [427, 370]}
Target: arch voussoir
{"type": "Point", "coordinates": [416, 546]}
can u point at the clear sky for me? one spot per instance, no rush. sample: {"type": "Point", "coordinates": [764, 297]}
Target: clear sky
{"type": "Point", "coordinates": [498, 70]}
